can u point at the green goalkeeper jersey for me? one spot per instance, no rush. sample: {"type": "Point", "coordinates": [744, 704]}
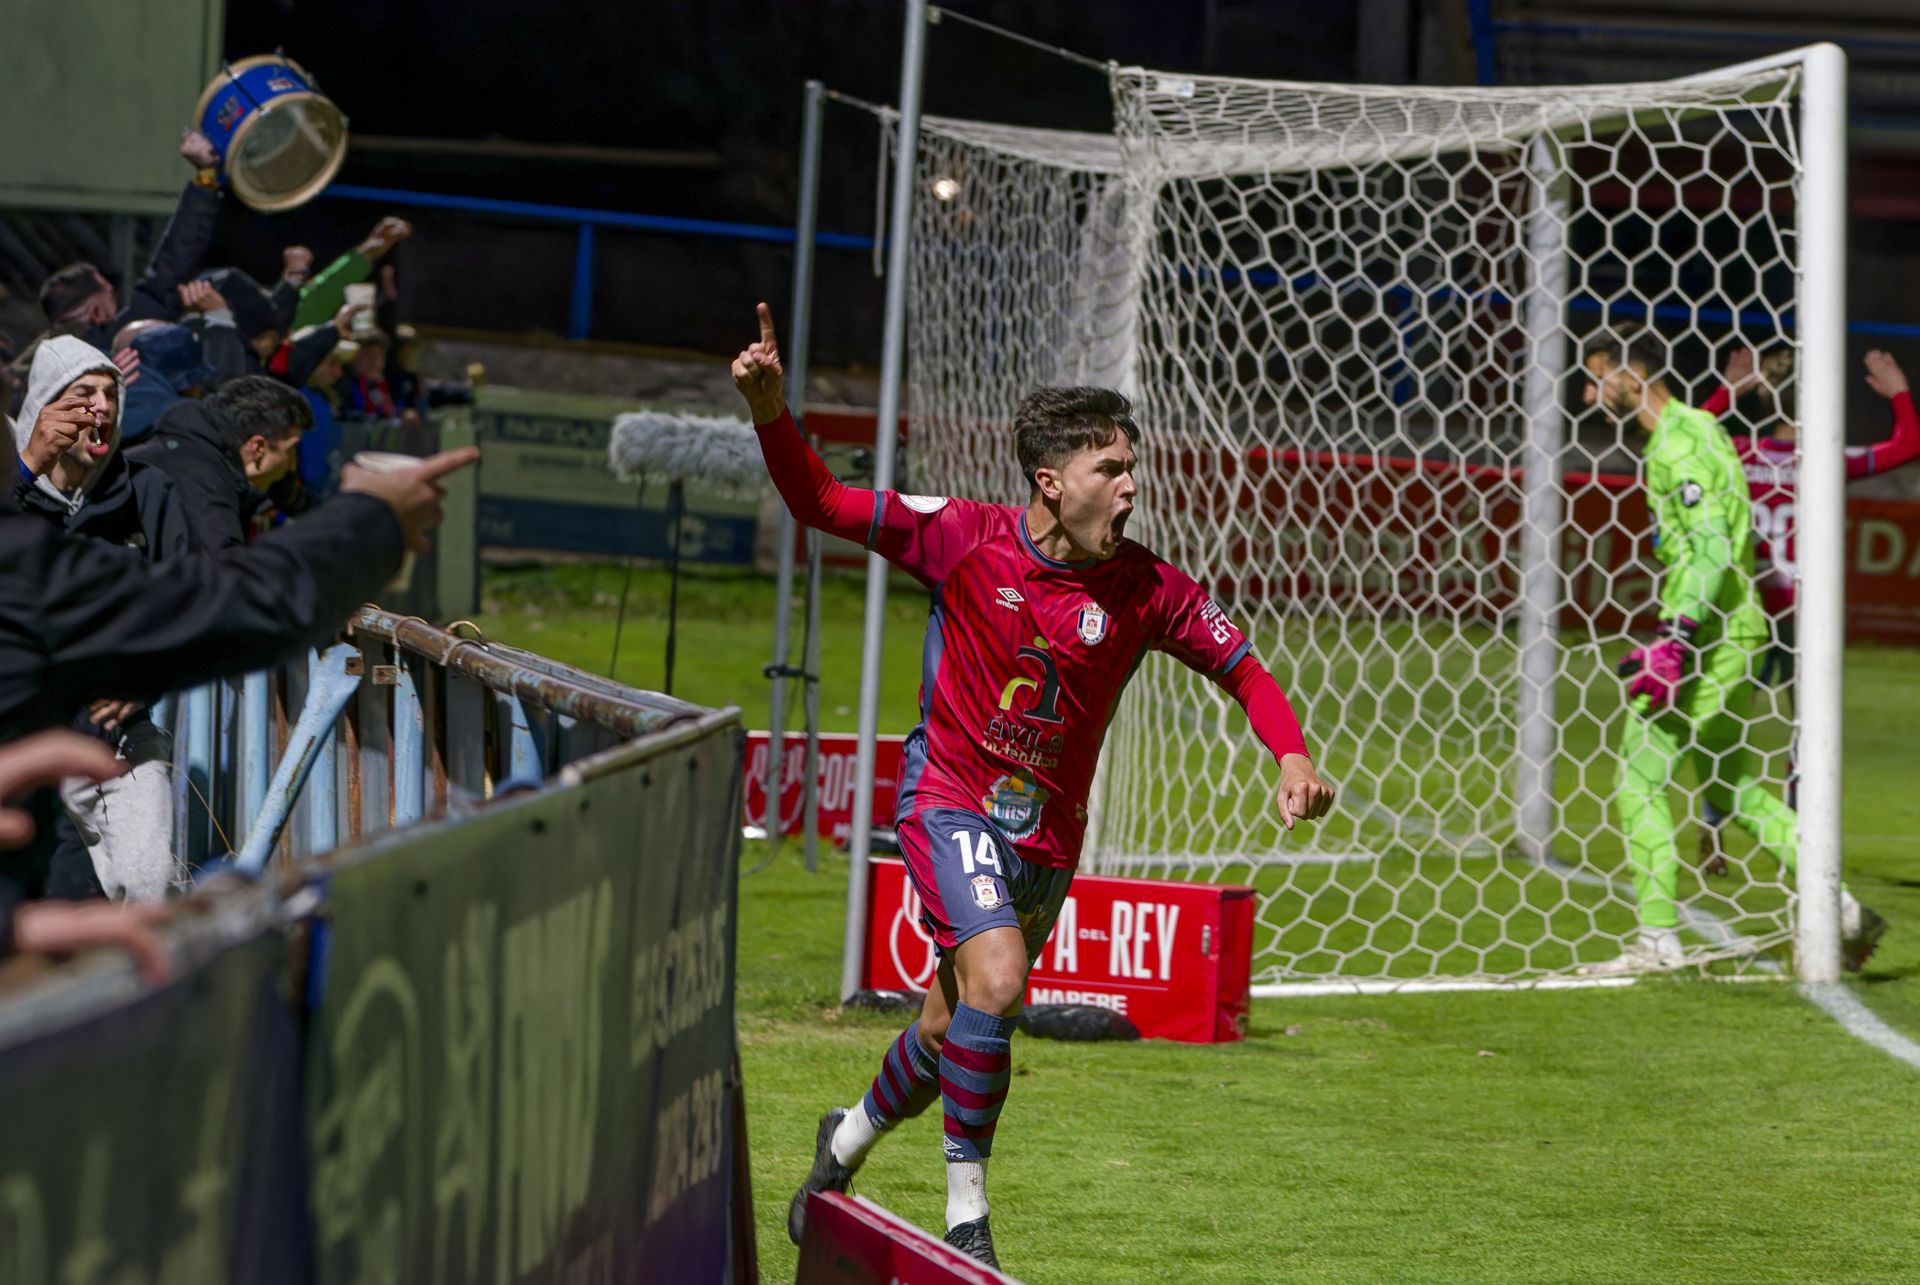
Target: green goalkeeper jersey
{"type": "Point", "coordinates": [1700, 502]}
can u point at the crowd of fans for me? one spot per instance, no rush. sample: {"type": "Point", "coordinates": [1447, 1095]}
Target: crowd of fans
{"type": "Point", "coordinates": [179, 511]}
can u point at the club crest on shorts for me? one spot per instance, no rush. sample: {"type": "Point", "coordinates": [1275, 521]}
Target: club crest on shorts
{"type": "Point", "coordinates": [1013, 804]}
{"type": "Point", "coordinates": [1093, 624]}
{"type": "Point", "coordinates": [986, 892]}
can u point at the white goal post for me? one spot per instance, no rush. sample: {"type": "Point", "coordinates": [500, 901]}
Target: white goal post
{"type": "Point", "coordinates": [1352, 319]}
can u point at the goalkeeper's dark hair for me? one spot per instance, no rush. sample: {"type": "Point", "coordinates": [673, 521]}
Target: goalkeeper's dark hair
{"type": "Point", "coordinates": [1632, 345]}
{"type": "Point", "coordinates": [255, 405]}
{"type": "Point", "coordinates": [1053, 425]}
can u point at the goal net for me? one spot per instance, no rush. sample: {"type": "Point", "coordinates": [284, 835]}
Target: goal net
{"type": "Point", "coordinates": [1353, 320]}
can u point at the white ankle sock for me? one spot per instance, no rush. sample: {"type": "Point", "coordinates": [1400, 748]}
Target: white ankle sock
{"type": "Point", "coordinates": [854, 1137]}
{"type": "Point", "coordinates": [966, 1191]}
{"type": "Point", "coordinates": [1849, 914]}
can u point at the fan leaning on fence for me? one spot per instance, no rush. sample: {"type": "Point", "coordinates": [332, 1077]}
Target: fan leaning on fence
{"type": "Point", "coordinates": [1041, 613]}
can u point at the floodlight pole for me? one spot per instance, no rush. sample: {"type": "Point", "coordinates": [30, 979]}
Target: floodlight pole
{"type": "Point", "coordinates": [799, 337]}
{"type": "Point", "coordinates": [892, 364]}
{"type": "Point", "coordinates": [1543, 511]}
{"type": "Point", "coordinates": [1820, 520]}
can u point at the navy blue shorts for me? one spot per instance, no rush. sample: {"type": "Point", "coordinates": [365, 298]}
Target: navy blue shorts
{"type": "Point", "coordinates": [970, 879]}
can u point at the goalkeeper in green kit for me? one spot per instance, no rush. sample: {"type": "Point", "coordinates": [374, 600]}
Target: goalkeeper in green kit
{"type": "Point", "coordinates": [1690, 688]}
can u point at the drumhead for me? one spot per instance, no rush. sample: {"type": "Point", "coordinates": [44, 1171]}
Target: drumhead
{"type": "Point", "coordinates": [284, 153]}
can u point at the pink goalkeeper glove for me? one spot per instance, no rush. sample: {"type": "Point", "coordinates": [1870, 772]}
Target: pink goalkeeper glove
{"type": "Point", "coordinates": [1660, 667]}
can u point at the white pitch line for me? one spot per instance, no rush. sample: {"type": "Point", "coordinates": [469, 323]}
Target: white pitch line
{"type": "Point", "coordinates": [1859, 1021]}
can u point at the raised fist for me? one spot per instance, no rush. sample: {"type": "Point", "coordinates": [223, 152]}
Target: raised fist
{"type": "Point", "coordinates": [198, 150]}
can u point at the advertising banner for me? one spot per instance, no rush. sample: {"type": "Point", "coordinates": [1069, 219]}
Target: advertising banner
{"type": "Point", "coordinates": [835, 786]}
{"type": "Point", "coordinates": [852, 1241]}
{"type": "Point", "coordinates": [523, 1065]}
{"type": "Point", "coordinates": [1172, 958]}
{"type": "Point", "coordinates": [545, 484]}
{"type": "Point", "coordinates": [152, 1141]}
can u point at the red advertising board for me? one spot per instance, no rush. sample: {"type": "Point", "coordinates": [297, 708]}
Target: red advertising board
{"type": "Point", "coordinates": [852, 1241]}
{"type": "Point", "coordinates": [835, 783]}
{"type": "Point", "coordinates": [1172, 958]}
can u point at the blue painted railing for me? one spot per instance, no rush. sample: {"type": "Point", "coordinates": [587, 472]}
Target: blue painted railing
{"type": "Point", "coordinates": [580, 311]}
{"type": "Point", "coordinates": [585, 220]}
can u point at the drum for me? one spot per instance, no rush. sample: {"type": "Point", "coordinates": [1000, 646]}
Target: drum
{"type": "Point", "coordinates": [280, 139]}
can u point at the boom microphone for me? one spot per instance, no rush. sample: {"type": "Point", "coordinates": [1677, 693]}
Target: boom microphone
{"type": "Point", "coordinates": [716, 452]}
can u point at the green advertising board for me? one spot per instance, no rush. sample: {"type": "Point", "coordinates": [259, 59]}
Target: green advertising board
{"type": "Point", "coordinates": [545, 484]}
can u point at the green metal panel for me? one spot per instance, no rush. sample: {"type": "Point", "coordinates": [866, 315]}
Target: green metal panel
{"type": "Point", "coordinates": [99, 91]}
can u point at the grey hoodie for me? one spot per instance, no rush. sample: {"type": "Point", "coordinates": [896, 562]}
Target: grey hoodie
{"type": "Point", "coordinates": [57, 362]}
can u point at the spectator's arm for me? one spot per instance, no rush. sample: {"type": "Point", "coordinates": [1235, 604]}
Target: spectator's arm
{"type": "Point", "coordinates": [326, 294]}
{"type": "Point", "coordinates": [181, 253]}
{"type": "Point", "coordinates": [111, 624]}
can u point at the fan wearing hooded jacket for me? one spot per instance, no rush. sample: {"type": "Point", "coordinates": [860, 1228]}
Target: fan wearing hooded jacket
{"type": "Point", "coordinates": [72, 475]}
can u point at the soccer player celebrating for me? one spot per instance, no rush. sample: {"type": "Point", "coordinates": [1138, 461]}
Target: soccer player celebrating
{"type": "Point", "coordinates": [1773, 477]}
{"type": "Point", "coordinates": [1040, 614]}
{"type": "Point", "coordinates": [1690, 688]}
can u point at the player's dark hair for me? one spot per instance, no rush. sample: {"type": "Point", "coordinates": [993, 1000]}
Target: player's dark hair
{"type": "Point", "coordinates": [1053, 425]}
{"type": "Point", "coordinates": [1629, 346]}
{"type": "Point", "coordinates": [255, 405]}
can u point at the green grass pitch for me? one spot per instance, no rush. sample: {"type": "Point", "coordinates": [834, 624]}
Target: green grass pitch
{"type": "Point", "coordinates": [1679, 1129]}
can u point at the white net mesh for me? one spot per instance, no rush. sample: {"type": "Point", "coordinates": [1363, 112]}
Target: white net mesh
{"type": "Point", "coordinates": [1353, 320]}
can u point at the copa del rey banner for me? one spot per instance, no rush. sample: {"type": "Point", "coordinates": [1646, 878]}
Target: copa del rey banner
{"type": "Point", "coordinates": [836, 781]}
{"type": "Point", "coordinates": [1172, 958]}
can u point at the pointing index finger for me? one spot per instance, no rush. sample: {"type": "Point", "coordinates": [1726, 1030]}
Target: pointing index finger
{"type": "Point", "coordinates": [766, 325]}
{"type": "Point", "coordinates": [447, 462]}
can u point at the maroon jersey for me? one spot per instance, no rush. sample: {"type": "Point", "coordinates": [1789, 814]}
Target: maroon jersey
{"type": "Point", "coordinates": [1025, 655]}
{"type": "Point", "coordinates": [1025, 658]}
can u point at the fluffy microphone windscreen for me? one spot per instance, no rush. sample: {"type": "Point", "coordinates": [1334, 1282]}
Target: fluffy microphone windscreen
{"type": "Point", "coordinates": [717, 451]}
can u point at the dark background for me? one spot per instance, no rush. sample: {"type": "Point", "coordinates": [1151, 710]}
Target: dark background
{"type": "Point", "coordinates": [716, 86]}
{"type": "Point", "coordinates": [701, 104]}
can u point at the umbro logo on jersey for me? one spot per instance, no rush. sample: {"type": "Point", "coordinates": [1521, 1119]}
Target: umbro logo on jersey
{"type": "Point", "coordinates": [1010, 598]}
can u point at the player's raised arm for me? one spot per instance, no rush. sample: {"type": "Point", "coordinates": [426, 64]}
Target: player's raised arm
{"type": "Point", "coordinates": [814, 496]}
{"type": "Point", "coordinates": [1886, 378]}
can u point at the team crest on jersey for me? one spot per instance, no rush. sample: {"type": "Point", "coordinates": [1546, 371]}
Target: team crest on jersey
{"type": "Point", "coordinates": [1093, 624]}
{"type": "Point", "coordinates": [1013, 803]}
{"type": "Point", "coordinates": [1691, 493]}
{"type": "Point", "coordinates": [986, 892]}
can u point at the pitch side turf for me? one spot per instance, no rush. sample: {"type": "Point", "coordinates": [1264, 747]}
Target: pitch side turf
{"type": "Point", "coordinates": [1680, 1130]}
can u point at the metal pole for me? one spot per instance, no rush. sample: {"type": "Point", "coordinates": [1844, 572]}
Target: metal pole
{"type": "Point", "coordinates": [892, 363]}
{"type": "Point", "coordinates": [256, 750]}
{"type": "Point", "coordinates": [1821, 514]}
{"type": "Point", "coordinates": [799, 336]}
{"type": "Point", "coordinates": [1544, 511]}
{"type": "Point", "coordinates": [810, 704]}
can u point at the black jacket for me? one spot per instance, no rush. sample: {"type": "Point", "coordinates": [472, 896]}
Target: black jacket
{"type": "Point", "coordinates": [132, 504]}
{"type": "Point", "coordinates": [192, 445]}
{"type": "Point", "coordinates": [80, 619]}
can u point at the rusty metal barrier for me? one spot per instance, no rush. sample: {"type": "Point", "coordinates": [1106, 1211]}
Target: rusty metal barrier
{"type": "Point", "coordinates": [473, 1021]}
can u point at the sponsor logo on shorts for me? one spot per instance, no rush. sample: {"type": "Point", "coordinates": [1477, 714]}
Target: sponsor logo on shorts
{"type": "Point", "coordinates": [1013, 803]}
{"type": "Point", "coordinates": [986, 892]}
{"type": "Point", "coordinates": [1093, 624]}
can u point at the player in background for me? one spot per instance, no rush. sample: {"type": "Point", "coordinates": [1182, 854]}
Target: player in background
{"type": "Point", "coordinates": [1692, 686]}
{"type": "Point", "coordinates": [1041, 612]}
{"type": "Point", "coordinates": [1773, 475]}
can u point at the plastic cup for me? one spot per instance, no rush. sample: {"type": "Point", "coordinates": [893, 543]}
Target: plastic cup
{"type": "Point", "coordinates": [362, 293]}
{"type": "Point", "coordinates": [392, 462]}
